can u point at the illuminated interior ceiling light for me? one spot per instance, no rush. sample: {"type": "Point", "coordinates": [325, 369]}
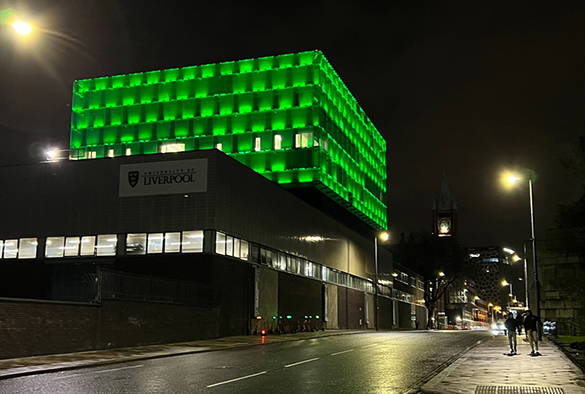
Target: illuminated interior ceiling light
{"type": "Point", "coordinates": [312, 238]}
{"type": "Point", "coordinates": [172, 148]}
{"type": "Point", "coordinates": [509, 251]}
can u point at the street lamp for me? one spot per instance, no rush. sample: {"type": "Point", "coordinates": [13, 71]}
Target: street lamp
{"type": "Point", "coordinates": [512, 179]}
{"type": "Point", "coordinates": [511, 294]}
{"type": "Point", "coordinates": [384, 236]}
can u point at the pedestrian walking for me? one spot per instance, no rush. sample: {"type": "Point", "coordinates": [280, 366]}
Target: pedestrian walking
{"type": "Point", "coordinates": [532, 325]}
{"type": "Point", "coordinates": [519, 323]}
{"type": "Point", "coordinates": [511, 327]}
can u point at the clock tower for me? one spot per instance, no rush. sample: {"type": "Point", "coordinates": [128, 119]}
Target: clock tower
{"type": "Point", "coordinates": [445, 220]}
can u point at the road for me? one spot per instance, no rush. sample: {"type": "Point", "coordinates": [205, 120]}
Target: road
{"type": "Point", "coordinates": [389, 362]}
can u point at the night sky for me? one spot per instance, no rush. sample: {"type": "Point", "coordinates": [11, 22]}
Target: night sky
{"type": "Point", "coordinates": [464, 88]}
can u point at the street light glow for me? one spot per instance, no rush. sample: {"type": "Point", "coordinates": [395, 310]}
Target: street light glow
{"type": "Point", "coordinates": [512, 179]}
{"type": "Point", "coordinates": [22, 28]}
{"type": "Point", "coordinates": [384, 236]}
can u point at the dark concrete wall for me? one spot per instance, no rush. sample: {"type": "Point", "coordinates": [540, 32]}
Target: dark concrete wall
{"type": "Point", "coordinates": [300, 297]}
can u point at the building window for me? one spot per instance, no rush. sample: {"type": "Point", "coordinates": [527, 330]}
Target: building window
{"type": "Point", "coordinates": [88, 245]}
{"type": "Point", "coordinates": [1, 248]}
{"type": "Point", "coordinates": [220, 243]}
{"type": "Point", "coordinates": [106, 244]}
{"type": "Point", "coordinates": [155, 243]}
{"type": "Point", "coordinates": [237, 248]}
{"type": "Point", "coordinates": [172, 242]}
{"type": "Point", "coordinates": [192, 241]}
{"type": "Point", "coordinates": [219, 146]}
{"type": "Point", "coordinates": [136, 243]}
{"type": "Point", "coordinates": [10, 248]}
{"type": "Point", "coordinates": [258, 144]}
{"type": "Point", "coordinates": [277, 142]}
{"type": "Point", "coordinates": [170, 148]}
{"type": "Point", "coordinates": [229, 245]}
{"type": "Point", "coordinates": [54, 247]}
{"type": "Point", "coordinates": [244, 248]}
{"type": "Point", "coordinates": [28, 248]}
{"type": "Point", "coordinates": [303, 140]}
{"type": "Point", "coordinates": [281, 262]}
{"type": "Point", "coordinates": [91, 154]}
{"type": "Point", "coordinates": [111, 153]}
{"type": "Point", "coordinates": [71, 246]}
{"type": "Point", "coordinates": [128, 152]}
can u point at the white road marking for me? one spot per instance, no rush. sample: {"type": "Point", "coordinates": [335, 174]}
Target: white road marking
{"type": "Point", "coordinates": [345, 351]}
{"type": "Point", "coordinates": [302, 362]}
{"type": "Point", "coordinates": [373, 344]}
{"type": "Point", "coordinates": [236, 379]}
{"type": "Point", "coordinates": [91, 373]}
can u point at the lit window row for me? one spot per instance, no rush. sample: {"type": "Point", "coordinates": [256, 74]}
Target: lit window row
{"type": "Point", "coordinates": [302, 267]}
{"type": "Point", "coordinates": [23, 248]}
{"type": "Point", "coordinates": [172, 242]}
{"type": "Point", "coordinates": [227, 245]}
{"type": "Point", "coordinates": [90, 245]}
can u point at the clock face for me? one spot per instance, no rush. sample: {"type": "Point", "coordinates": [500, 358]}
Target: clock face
{"type": "Point", "coordinates": [444, 225]}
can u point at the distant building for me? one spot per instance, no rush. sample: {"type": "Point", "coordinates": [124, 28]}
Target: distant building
{"type": "Point", "coordinates": [487, 262]}
{"type": "Point", "coordinates": [445, 220]}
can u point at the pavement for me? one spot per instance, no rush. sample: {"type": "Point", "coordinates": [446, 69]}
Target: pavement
{"type": "Point", "coordinates": [482, 369]}
{"type": "Point", "coordinates": [485, 369]}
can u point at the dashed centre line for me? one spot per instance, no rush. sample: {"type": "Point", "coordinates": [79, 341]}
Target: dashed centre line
{"type": "Point", "coordinates": [345, 351]}
{"type": "Point", "coordinates": [302, 362]}
{"type": "Point", "coordinates": [236, 379]}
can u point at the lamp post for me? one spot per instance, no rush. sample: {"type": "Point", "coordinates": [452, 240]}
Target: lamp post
{"type": "Point", "coordinates": [514, 179]}
{"type": "Point", "coordinates": [384, 237]}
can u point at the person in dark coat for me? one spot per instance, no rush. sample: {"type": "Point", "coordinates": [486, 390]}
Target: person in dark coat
{"type": "Point", "coordinates": [510, 324]}
{"type": "Point", "coordinates": [519, 323]}
{"type": "Point", "coordinates": [532, 324]}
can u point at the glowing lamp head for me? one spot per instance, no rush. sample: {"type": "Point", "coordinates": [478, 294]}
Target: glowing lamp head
{"type": "Point", "coordinates": [384, 236]}
{"type": "Point", "coordinates": [22, 28]}
{"type": "Point", "coordinates": [512, 179]}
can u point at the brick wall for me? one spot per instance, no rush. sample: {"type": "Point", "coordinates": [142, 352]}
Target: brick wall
{"type": "Point", "coordinates": [32, 327]}
{"type": "Point", "coordinates": [29, 327]}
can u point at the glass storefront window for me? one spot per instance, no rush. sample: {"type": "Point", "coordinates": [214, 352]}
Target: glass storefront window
{"type": "Point", "coordinates": [244, 248]}
{"type": "Point", "coordinates": [72, 246]}
{"type": "Point", "coordinates": [54, 247]}
{"type": "Point", "coordinates": [192, 241]}
{"type": "Point", "coordinates": [88, 245]}
{"type": "Point", "coordinates": [155, 243]}
{"type": "Point", "coordinates": [106, 244]}
{"type": "Point", "coordinates": [1, 248]}
{"type": "Point", "coordinates": [220, 243]}
{"type": "Point", "coordinates": [28, 248]}
{"type": "Point", "coordinates": [10, 248]}
{"type": "Point", "coordinates": [172, 242]}
{"type": "Point", "coordinates": [136, 243]}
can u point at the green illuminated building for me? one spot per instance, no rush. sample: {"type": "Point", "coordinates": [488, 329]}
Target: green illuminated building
{"type": "Point", "coordinates": [289, 117]}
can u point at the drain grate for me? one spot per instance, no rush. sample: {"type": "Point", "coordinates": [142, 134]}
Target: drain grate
{"type": "Point", "coordinates": [518, 390]}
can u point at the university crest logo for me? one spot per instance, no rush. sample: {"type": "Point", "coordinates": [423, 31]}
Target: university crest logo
{"type": "Point", "coordinates": [133, 178]}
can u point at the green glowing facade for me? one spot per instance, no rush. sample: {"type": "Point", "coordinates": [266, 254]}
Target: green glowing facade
{"type": "Point", "coordinates": [289, 118]}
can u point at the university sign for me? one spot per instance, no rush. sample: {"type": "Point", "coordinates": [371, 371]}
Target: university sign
{"type": "Point", "coordinates": [165, 177]}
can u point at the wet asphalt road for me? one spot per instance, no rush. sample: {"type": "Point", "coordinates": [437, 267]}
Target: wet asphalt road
{"type": "Point", "coordinates": [392, 362]}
